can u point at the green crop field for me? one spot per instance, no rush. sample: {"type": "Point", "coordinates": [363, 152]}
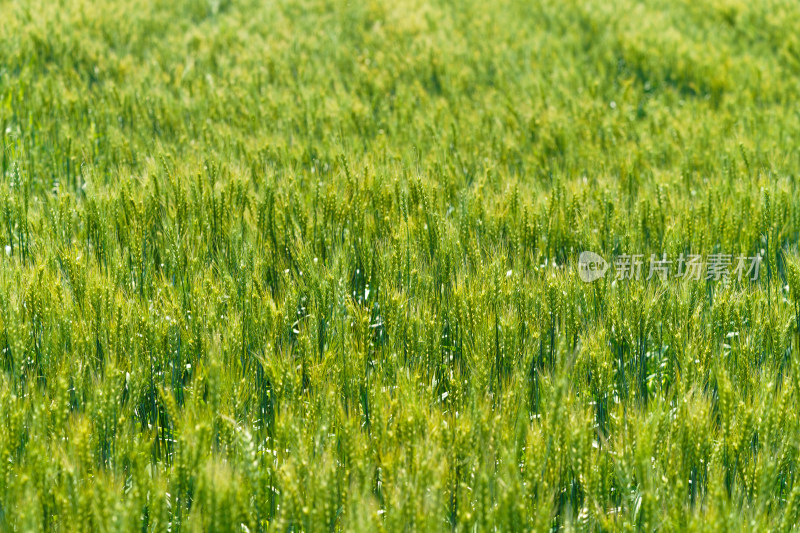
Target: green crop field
{"type": "Point", "coordinates": [312, 265]}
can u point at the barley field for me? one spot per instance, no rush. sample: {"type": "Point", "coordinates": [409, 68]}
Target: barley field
{"type": "Point", "coordinates": [316, 265]}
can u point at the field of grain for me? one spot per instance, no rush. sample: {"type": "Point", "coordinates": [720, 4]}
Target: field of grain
{"type": "Point", "coordinates": [313, 265]}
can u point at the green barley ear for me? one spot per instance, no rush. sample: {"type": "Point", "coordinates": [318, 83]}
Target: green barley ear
{"type": "Point", "coordinates": [766, 213]}
{"type": "Point", "coordinates": [744, 158]}
{"type": "Point", "coordinates": [793, 277]}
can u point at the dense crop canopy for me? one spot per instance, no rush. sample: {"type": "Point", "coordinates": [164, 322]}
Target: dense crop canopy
{"type": "Point", "coordinates": [307, 265]}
